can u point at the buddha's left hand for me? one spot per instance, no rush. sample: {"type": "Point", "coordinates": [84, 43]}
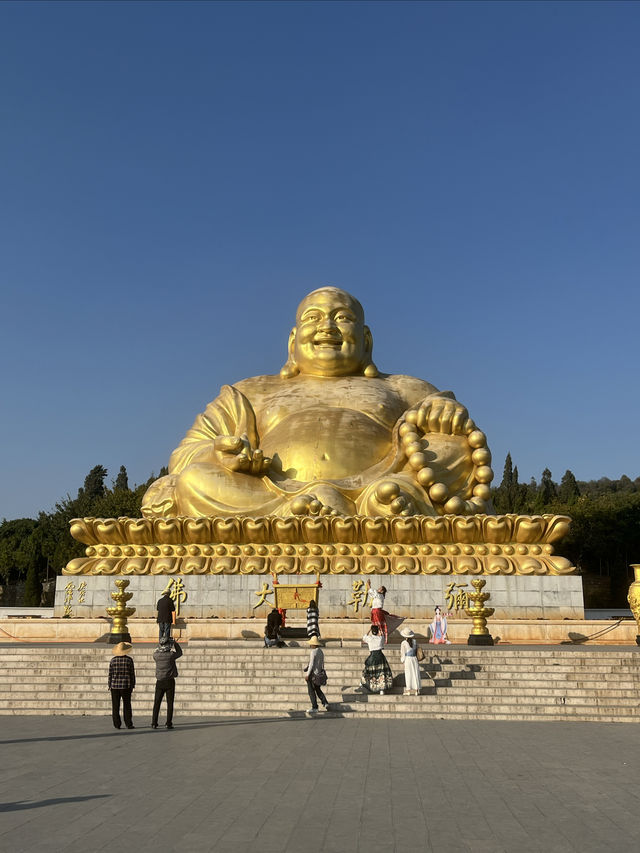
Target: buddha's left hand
{"type": "Point", "coordinates": [438, 414]}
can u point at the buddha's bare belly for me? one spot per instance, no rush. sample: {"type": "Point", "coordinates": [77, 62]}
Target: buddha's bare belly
{"type": "Point", "coordinates": [326, 443]}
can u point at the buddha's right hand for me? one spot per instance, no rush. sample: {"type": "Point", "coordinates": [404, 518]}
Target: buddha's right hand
{"type": "Point", "coordinates": [237, 454]}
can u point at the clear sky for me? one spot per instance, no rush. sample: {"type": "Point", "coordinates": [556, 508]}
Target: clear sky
{"type": "Point", "coordinates": [175, 177]}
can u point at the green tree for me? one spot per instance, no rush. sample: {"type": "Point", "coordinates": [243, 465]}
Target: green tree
{"type": "Point", "coordinates": [547, 491]}
{"type": "Point", "coordinates": [568, 490]}
{"type": "Point", "coordinates": [93, 484]}
{"type": "Point", "coordinates": [510, 496]}
{"type": "Point", "coordinates": [17, 548]}
{"type": "Point", "coordinates": [122, 480]}
{"type": "Point", "coordinates": [33, 587]}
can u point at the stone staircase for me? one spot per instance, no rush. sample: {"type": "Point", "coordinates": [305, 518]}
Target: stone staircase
{"type": "Point", "coordinates": [241, 678]}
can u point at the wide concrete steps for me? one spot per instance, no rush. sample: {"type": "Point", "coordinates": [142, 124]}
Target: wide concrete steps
{"type": "Point", "coordinates": [244, 679]}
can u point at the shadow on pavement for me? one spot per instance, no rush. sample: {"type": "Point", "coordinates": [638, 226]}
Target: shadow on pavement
{"type": "Point", "coordinates": [21, 805]}
{"type": "Point", "coordinates": [147, 730]}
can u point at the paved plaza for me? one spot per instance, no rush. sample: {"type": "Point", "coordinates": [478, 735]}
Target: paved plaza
{"type": "Point", "coordinates": [319, 785]}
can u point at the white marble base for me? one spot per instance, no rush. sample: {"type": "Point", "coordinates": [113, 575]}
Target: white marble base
{"type": "Point", "coordinates": [415, 596]}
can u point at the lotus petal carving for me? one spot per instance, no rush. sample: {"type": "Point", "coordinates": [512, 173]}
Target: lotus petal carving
{"type": "Point", "coordinates": [499, 566]}
{"type": "Point", "coordinates": [530, 566]}
{"type": "Point", "coordinates": [105, 566]}
{"type": "Point", "coordinates": [438, 566]}
{"type": "Point", "coordinates": [253, 565]}
{"type": "Point", "coordinates": [197, 530]}
{"type": "Point", "coordinates": [345, 528]}
{"type": "Point", "coordinates": [467, 565]}
{"type": "Point", "coordinates": [345, 565]}
{"type": "Point", "coordinates": [375, 566]}
{"type": "Point", "coordinates": [286, 529]}
{"type": "Point", "coordinates": [167, 531]}
{"type": "Point", "coordinates": [466, 529]}
{"type": "Point", "coordinates": [224, 566]}
{"type": "Point", "coordinates": [138, 531]}
{"type": "Point", "coordinates": [406, 531]}
{"type": "Point", "coordinates": [166, 566]}
{"type": "Point", "coordinates": [497, 528]}
{"type": "Point", "coordinates": [529, 528]}
{"type": "Point", "coordinates": [135, 566]}
{"type": "Point", "coordinates": [257, 530]}
{"type": "Point", "coordinates": [375, 529]}
{"type": "Point", "coordinates": [194, 565]}
{"type": "Point", "coordinates": [110, 531]}
{"type": "Point", "coordinates": [315, 529]}
{"type": "Point", "coordinates": [284, 565]}
{"type": "Point", "coordinates": [559, 565]}
{"type": "Point", "coordinates": [312, 565]}
{"type": "Point", "coordinates": [82, 530]}
{"type": "Point", "coordinates": [226, 530]}
{"type": "Point", "coordinates": [557, 527]}
{"type": "Point", "coordinates": [436, 529]}
{"type": "Point", "coordinates": [404, 566]}
{"type": "Point", "coordinates": [79, 566]}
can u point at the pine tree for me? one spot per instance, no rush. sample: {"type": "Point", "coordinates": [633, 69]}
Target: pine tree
{"type": "Point", "coordinates": [122, 480]}
{"type": "Point", "coordinates": [94, 484]}
{"type": "Point", "coordinates": [502, 495]}
{"type": "Point", "coordinates": [568, 490]}
{"type": "Point", "coordinates": [547, 491]}
{"type": "Point", "coordinates": [33, 587]}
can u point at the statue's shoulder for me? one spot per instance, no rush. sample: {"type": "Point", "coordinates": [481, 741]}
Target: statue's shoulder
{"type": "Point", "coordinates": [409, 387]}
{"type": "Point", "coordinates": [258, 384]}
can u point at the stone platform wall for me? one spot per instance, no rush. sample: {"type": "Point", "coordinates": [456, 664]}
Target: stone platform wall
{"type": "Point", "coordinates": [235, 596]}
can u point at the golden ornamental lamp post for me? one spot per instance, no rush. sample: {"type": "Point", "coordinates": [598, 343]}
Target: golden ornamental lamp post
{"type": "Point", "coordinates": [634, 597]}
{"type": "Point", "coordinates": [479, 635]}
{"type": "Point", "coordinates": [120, 613]}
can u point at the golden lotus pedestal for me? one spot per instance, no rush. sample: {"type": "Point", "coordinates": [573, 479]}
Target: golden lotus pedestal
{"type": "Point", "coordinates": [232, 569]}
{"type": "Point", "coordinates": [414, 545]}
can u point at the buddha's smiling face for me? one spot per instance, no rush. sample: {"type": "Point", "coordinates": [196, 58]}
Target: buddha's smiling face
{"type": "Point", "coordinates": [329, 334]}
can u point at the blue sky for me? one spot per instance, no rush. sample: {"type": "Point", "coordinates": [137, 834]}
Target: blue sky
{"type": "Point", "coordinates": [175, 177]}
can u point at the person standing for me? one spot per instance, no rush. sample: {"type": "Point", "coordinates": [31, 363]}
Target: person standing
{"type": "Point", "coordinates": [165, 657]}
{"type": "Point", "coordinates": [122, 681]}
{"type": "Point", "coordinates": [438, 628]}
{"type": "Point", "coordinates": [313, 629]}
{"type": "Point", "coordinates": [409, 657]}
{"type": "Point", "coordinates": [386, 622]}
{"type": "Point", "coordinates": [316, 676]}
{"type": "Point", "coordinates": [376, 675]}
{"type": "Point", "coordinates": [166, 616]}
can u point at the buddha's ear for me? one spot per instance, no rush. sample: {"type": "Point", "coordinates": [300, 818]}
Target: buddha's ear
{"type": "Point", "coordinates": [369, 368]}
{"type": "Point", "coordinates": [290, 369]}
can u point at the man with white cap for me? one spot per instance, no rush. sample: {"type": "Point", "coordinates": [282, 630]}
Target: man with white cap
{"type": "Point", "coordinates": [122, 681]}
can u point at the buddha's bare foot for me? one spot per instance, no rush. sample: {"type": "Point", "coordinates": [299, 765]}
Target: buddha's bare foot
{"type": "Point", "coordinates": [310, 505]}
{"type": "Point", "coordinates": [391, 500]}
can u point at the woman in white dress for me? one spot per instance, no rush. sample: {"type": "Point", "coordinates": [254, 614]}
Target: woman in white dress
{"type": "Point", "coordinates": [409, 657]}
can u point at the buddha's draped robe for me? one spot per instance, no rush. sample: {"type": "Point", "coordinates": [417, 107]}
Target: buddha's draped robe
{"type": "Point", "coordinates": [334, 437]}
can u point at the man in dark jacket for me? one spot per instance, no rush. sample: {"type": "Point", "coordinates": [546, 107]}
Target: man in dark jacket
{"type": "Point", "coordinates": [165, 657]}
{"type": "Point", "coordinates": [166, 616]}
{"type": "Point", "coordinates": [272, 629]}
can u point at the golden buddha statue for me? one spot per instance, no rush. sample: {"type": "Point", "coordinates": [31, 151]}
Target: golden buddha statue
{"type": "Point", "coordinates": [328, 435]}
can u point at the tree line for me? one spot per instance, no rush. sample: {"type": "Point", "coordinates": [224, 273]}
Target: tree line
{"type": "Point", "coordinates": [32, 549]}
{"type": "Point", "coordinates": [604, 537]}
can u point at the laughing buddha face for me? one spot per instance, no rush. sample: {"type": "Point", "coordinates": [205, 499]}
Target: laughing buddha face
{"type": "Point", "coordinates": [330, 338]}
